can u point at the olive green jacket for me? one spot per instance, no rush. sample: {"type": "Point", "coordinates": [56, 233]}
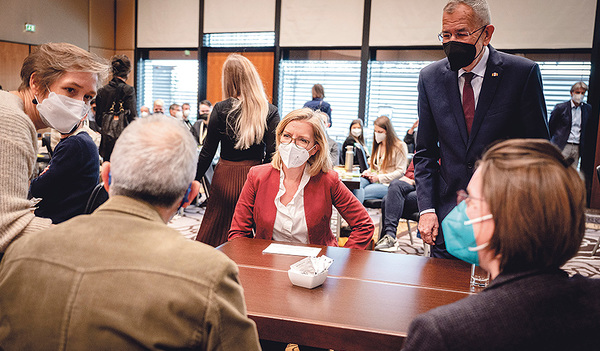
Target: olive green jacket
{"type": "Point", "coordinates": [120, 279]}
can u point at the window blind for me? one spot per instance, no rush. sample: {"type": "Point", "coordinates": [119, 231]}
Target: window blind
{"type": "Point", "coordinates": [174, 81]}
{"type": "Point", "coordinates": [341, 81]}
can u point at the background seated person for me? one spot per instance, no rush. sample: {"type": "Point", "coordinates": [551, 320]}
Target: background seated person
{"type": "Point", "coordinates": [522, 219]}
{"type": "Point", "coordinates": [401, 199]}
{"type": "Point", "coordinates": [356, 138]}
{"type": "Point", "coordinates": [67, 183]}
{"type": "Point", "coordinates": [411, 136]}
{"type": "Point", "coordinates": [334, 151]}
{"type": "Point", "coordinates": [388, 161]}
{"type": "Point", "coordinates": [290, 199]}
{"type": "Point", "coordinates": [120, 279]}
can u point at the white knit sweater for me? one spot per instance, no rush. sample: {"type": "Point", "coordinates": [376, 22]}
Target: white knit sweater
{"type": "Point", "coordinates": [18, 145]}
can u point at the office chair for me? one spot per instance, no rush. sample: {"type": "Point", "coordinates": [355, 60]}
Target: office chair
{"type": "Point", "coordinates": [97, 198]}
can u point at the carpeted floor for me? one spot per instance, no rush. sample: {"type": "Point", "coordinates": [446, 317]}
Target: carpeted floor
{"type": "Point", "coordinates": [583, 263]}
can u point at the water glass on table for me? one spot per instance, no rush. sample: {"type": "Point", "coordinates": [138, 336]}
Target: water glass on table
{"type": "Point", "coordinates": [480, 278]}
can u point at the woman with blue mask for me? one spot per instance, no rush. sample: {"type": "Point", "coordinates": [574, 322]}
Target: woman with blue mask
{"type": "Point", "coordinates": [58, 80]}
{"type": "Point", "coordinates": [291, 199]}
{"type": "Point", "coordinates": [521, 218]}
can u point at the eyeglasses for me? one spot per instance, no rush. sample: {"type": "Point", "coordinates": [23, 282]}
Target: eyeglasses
{"type": "Point", "coordinates": [287, 138]}
{"type": "Point", "coordinates": [463, 195]}
{"type": "Point", "coordinates": [460, 35]}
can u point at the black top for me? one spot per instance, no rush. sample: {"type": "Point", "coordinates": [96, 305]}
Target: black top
{"type": "Point", "coordinates": [67, 182]}
{"type": "Point", "coordinates": [219, 132]}
{"type": "Point", "coordinates": [107, 94]}
{"type": "Point", "coordinates": [104, 100]}
{"type": "Point", "coordinates": [360, 156]}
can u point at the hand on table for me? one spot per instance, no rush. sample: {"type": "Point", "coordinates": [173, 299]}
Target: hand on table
{"type": "Point", "coordinates": [428, 227]}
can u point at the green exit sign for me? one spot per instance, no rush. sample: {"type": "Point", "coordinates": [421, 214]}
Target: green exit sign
{"type": "Point", "coordinates": [29, 27]}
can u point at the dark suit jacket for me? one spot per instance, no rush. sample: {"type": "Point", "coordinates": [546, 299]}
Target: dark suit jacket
{"type": "Point", "coordinates": [523, 311]}
{"type": "Point", "coordinates": [561, 120]}
{"type": "Point", "coordinates": [511, 105]}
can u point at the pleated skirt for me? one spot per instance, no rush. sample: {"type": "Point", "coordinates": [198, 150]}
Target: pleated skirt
{"type": "Point", "coordinates": [227, 183]}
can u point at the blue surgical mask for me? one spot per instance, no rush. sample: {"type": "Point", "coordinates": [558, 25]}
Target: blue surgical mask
{"type": "Point", "coordinates": [459, 235]}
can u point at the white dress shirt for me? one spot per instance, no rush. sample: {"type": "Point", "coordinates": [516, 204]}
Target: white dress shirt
{"type": "Point", "coordinates": [290, 221]}
{"type": "Point", "coordinates": [575, 134]}
{"type": "Point", "coordinates": [477, 81]}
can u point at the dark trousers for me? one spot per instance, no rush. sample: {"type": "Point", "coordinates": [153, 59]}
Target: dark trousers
{"type": "Point", "coordinates": [400, 201]}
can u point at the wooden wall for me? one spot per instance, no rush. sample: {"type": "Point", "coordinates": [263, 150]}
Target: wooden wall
{"type": "Point", "coordinates": [263, 61]}
{"type": "Point", "coordinates": [11, 57]}
{"type": "Point", "coordinates": [95, 19]}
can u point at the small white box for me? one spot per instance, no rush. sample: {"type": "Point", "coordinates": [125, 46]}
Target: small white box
{"type": "Point", "coordinates": [305, 280]}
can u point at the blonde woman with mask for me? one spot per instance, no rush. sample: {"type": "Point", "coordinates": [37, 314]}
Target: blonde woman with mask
{"type": "Point", "coordinates": [244, 125]}
{"type": "Point", "coordinates": [388, 161]}
{"type": "Point", "coordinates": [58, 81]}
{"type": "Point", "coordinates": [290, 200]}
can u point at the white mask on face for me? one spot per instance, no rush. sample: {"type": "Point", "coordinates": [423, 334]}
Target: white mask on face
{"type": "Point", "coordinates": [356, 132]}
{"type": "Point", "coordinates": [186, 113]}
{"type": "Point", "coordinates": [179, 114]}
{"type": "Point", "coordinates": [293, 156]}
{"type": "Point", "coordinates": [145, 114]}
{"type": "Point", "coordinates": [61, 112]}
{"type": "Point", "coordinates": [578, 98]}
{"type": "Point", "coordinates": [379, 137]}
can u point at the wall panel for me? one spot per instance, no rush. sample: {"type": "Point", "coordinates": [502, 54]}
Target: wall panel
{"type": "Point", "coordinates": [226, 16]}
{"type": "Point", "coordinates": [11, 59]}
{"type": "Point", "coordinates": [531, 24]}
{"type": "Point", "coordinates": [102, 24]}
{"type": "Point", "coordinates": [167, 24]}
{"type": "Point", "coordinates": [263, 61]}
{"type": "Point", "coordinates": [56, 21]}
{"type": "Point", "coordinates": [321, 23]}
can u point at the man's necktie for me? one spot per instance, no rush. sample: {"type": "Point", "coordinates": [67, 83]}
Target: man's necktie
{"type": "Point", "coordinates": [468, 100]}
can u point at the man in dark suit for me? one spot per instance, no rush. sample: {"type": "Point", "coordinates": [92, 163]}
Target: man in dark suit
{"type": "Point", "coordinates": [568, 126]}
{"type": "Point", "coordinates": [467, 101]}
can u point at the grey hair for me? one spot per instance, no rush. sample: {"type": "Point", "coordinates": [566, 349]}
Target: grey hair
{"type": "Point", "coordinates": [480, 9]}
{"type": "Point", "coordinates": [154, 160]}
{"type": "Point", "coordinates": [579, 85]}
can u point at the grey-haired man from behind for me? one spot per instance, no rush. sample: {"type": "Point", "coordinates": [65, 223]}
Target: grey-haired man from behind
{"type": "Point", "coordinates": [120, 278]}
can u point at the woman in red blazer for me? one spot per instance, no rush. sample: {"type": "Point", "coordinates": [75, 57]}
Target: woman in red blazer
{"type": "Point", "coordinates": [291, 198]}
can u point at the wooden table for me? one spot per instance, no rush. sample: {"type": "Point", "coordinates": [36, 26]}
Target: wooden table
{"type": "Point", "coordinates": [367, 301]}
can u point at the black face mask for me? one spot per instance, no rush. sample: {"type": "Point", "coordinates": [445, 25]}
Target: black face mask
{"type": "Point", "coordinates": [461, 54]}
{"type": "Point", "coordinates": [203, 116]}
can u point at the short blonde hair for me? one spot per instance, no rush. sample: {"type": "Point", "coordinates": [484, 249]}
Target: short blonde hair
{"type": "Point", "coordinates": [537, 200]}
{"type": "Point", "coordinates": [51, 60]}
{"type": "Point", "coordinates": [320, 161]}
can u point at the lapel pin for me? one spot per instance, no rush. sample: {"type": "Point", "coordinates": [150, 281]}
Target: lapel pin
{"type": "Point", "coordinates": [495, 74]}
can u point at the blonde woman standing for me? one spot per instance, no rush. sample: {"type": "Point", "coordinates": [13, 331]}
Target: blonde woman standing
{"type": "Point", "coordinates": [244, 124]}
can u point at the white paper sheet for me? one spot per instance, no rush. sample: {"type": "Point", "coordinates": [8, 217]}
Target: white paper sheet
{"type": "Point", "coordinates": [292, 250]}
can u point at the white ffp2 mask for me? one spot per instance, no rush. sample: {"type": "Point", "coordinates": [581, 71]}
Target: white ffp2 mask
{"type": "Point", "coordinates": [379, 137]}
{"type": "Point", "coordinates": [62, 112]}
{"type": "Point", "coordinates": [293, 156]}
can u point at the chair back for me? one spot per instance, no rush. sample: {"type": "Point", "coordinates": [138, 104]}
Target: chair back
{"type": "Point", "coordinates": [97, 198]}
